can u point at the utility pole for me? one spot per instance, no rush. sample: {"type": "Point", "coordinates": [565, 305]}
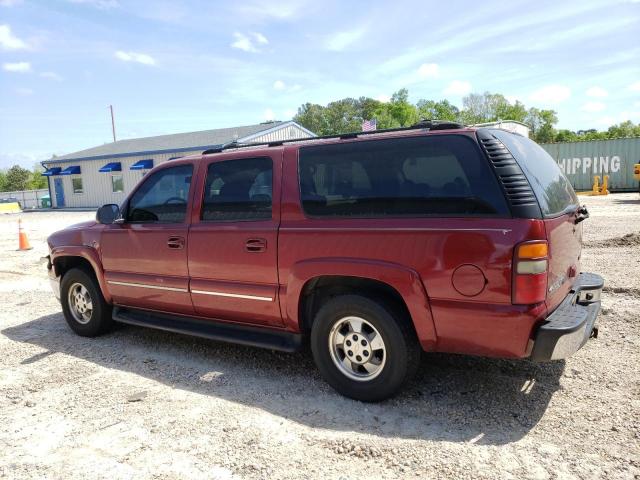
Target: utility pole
{"type": "Point", "coordinates": [113, 123]}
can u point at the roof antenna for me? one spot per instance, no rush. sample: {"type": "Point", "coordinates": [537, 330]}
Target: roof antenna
{"type": "Point", "coordinates": [113, 123]}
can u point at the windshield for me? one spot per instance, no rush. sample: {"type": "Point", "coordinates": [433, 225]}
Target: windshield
{"type": "Point", "coordinates": [552, 189]}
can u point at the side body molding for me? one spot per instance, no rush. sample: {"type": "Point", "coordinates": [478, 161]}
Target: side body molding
{"type": "Point", "coordinates": [404, 280]}
{"type": "Point", "coordinates": [89, 254]}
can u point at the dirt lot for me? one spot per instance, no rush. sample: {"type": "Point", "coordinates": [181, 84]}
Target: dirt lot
{"type": "Point", "coordinates": [144, 404]}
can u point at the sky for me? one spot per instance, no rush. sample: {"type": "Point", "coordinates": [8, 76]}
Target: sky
{"type": "Point", "coordinates": [170, 67]}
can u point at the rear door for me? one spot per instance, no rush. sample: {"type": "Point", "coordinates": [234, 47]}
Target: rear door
{"type": "Point", "coordinates": [233, 240]}
{"type": "Point", "coordinates": [145, 257]}
{"type": "Point", "coordinates": [559, 204]}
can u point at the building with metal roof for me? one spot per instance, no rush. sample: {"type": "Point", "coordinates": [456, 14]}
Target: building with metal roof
{"type": "Point", "coordinates": [107, 173]}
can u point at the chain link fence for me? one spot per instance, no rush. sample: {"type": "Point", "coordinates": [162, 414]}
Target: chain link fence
{"type": "Point", "coordinates": [27, 199]}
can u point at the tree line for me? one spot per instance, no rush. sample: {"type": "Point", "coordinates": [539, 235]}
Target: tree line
{"type": "Point", "coordinates": [17, 178]}
{"type": "Point", "coordinates": [346, 115]}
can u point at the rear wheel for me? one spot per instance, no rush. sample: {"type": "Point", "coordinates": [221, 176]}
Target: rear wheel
{"type": "Point", "coordinates": [84, 307]}
{"type": "Point", "coordinates": [364, 349]}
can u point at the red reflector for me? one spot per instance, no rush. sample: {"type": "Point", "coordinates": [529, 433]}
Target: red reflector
{"type": "Point", "coordinates": [529, 289]}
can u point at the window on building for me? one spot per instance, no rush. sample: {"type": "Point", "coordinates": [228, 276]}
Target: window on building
{"type": "Point", "coordinates": [162, 197]}
{"type": "Point", "coordinates": [76, 183]}
{"type": "Point", "coordinates": [238, 190]}
{"type": "Point", "coordinates": [117, 184]}
{"type": "Point", "coordinates": [416, 176]}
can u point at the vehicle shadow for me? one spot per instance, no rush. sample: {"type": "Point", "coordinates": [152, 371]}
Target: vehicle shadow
{"type": "Point", "coordinates": [453, 398]}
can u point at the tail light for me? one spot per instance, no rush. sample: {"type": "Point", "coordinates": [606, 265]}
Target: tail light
{"type": "Point", "coordinates": [530, 268]}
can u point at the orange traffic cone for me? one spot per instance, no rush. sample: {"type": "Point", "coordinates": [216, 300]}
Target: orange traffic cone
{"type": "Point", "coordinates": [23, 241]}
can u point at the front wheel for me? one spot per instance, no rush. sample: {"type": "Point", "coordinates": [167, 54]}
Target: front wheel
{"type": "Point", "coordinates": [364, 349]}
{"type": "Point", "coordinates": [83, 306]}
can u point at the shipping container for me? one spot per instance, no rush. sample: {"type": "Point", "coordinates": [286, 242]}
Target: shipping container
{"type": "Point", "coordinates": [581, 161]}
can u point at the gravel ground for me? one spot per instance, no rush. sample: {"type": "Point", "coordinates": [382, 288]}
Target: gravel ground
{"type": "Point", "coordinates": [143, 404]}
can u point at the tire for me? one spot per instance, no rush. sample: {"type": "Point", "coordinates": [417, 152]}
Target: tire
{"type": "Point", "coordinates": [90, 316]}
{"type": "Point", "coordinates": [386, 370]}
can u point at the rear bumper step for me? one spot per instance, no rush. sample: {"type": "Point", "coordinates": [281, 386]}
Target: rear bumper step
{"type": "Point", "coordinates": [224, 332]}
{"type": "Point", "coordinates": [569, 327]}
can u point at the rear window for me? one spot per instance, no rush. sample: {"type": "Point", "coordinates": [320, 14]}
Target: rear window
{"type": "Point", "coordinates": [552, 189]}
{"type": "Point", "coordinates": [443, 175]}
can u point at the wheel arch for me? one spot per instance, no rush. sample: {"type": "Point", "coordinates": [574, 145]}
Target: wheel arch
{"type": "Point", "coordinates": [309, 280]}
{"type": "Point", "coordinates": [65, 258]}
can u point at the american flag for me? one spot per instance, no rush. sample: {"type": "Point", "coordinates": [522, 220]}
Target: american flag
{"type": "Point", "coordinates": [368, 125]}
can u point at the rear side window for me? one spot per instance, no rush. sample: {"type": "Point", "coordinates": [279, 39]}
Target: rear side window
{"type": "Point", "coordinates": [443, 175]}
{"type": "Point", "coordinates": [162, 197]}
{"type": "Point", "coordinates": [551, 188]}
{"type": "Point", "coordinates": [238, 190]}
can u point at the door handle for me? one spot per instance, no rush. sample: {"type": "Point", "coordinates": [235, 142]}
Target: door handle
{"type": "Point", "coordinates": [175, 243]}
{"type": "Point", "coordinates": [256, 245]}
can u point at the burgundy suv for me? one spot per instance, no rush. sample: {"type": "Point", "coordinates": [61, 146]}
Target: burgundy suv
{"type": "Point", "coordinates": [374, 246]}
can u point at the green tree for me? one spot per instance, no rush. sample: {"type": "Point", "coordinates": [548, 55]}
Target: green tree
{"type": "Point", "coordinates": [17, 178]}
{"type": "Point", "coordinates": [490, 107]}
{"type": "Point", "coordinates": [346, 115]}
{"type": "Point", "coordinates": [3, 181]}
{"type": "Point", "coordinates": [37, 181]}
{"type": "Point", "coordinates": [441, 110]}
{"type": "Point", "coordinates": [565, 135]}
{"type": "Point", "coordinates": [343, 116]}
{"type": "Point", "coordinates": [542, 124]}
{"type": "Point", "coordinates": [504, 110]}
{"type": "Point", "coordinates": [313, 117]}
{"type": "Point", "coordinates": [403, 111]}
{"type": "Point", "coordinates": [624, 130]}
{"type": "Point", "coordinates": [368, 107]}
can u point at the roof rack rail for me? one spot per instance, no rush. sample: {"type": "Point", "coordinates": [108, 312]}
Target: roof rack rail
{"type": "Point", "coordinates": [422, 124]}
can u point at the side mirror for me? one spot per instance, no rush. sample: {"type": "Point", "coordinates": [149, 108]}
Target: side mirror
{"type": "Point", "coordinates": [108, 214]}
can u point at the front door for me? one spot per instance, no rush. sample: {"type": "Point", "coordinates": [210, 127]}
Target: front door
{"type": "Point", "coordinates": [233, 241]}
{"type": "Point", "coordinates": [59, 188]}
{"type": "Point", "coordinates": [145, 257]}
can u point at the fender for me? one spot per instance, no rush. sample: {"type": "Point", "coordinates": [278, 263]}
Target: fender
{"type": "Point", "coordinates": [91, 255]}
{"type": "Point", "coordinates": [404, 280]}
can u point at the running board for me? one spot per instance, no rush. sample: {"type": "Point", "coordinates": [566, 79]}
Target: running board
{"type": "Point", "coordinates": [211, 329]}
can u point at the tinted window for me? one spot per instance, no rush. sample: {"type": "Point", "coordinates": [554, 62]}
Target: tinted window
{"type": "Point", "coordinates": [552, 189]}
{"type": "Point", "coordinates": [238, 190]}
{"type": "Point", "coordinates": [419, 176]}
{"type": "Point", "coordinates": [162, 197]}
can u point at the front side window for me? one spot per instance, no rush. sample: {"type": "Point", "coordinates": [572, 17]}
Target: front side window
{"type": "Point", "coordinates": [162, 197]}
{"type": "Point", "coordinates": [117, 184]}
{"type": "Point", "coordinates": [443, 175]}
{"type": "Point", "coordinates": [238, 190]}
{"type": "Point", "coordinates": [76, 183]}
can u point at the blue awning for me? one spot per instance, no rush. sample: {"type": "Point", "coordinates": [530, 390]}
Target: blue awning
{"type": "Point", "coordinates": [73, 170]}
{"type": "Point", "coordinates": [111, 167]}
{"type": "Point", "coordinates": [50, 172]}
{"type": "Point", "coordinates": [142, 164]}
